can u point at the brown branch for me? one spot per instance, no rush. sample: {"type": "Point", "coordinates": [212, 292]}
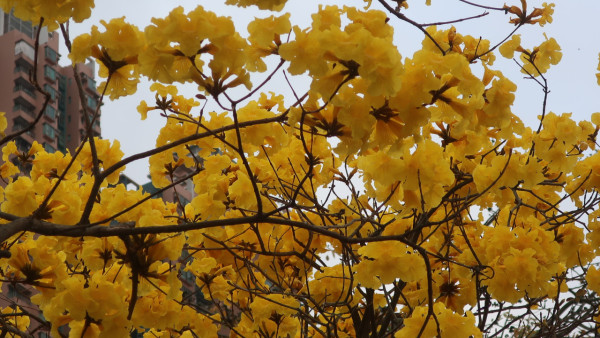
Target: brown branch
{"type": "Point", "coordinates": [482, 6]}
{"type": "Point", "coordinates": [440, 23]}
{"type": "Point", "coordinates": [417, 25]}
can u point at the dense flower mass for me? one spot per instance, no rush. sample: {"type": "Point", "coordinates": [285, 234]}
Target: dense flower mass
{"type": "Point", "coordinates": [388, 195]}
{"type": "Point", "coordinates": [53, 12]}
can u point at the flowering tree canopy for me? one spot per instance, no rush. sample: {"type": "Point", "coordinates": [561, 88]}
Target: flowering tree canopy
{"type": "Point", "coordinates": [398, 195]}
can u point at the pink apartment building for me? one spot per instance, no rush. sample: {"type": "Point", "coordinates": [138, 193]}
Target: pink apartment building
{"type": "Point", "coordinates": [62, 126]}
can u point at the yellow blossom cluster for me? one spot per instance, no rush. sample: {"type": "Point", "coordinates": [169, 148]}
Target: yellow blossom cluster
{"type": "Point", "coordinates": [54, 13]}
{"type": "Point", "coordinates": [392, 196]}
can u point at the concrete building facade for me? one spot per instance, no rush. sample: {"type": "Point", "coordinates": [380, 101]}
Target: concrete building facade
{"type": "Point", "coordinates": [62, 125]}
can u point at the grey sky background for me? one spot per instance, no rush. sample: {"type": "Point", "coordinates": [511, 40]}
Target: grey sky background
{"type": "Point", "coordinates": [572, 83]}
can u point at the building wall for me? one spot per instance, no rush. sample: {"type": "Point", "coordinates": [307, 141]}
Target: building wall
{"type": "Point", "coordinates": [61, 126]}
{"type": "Point", "coordinates": [19, 98]}
{"type": "Point", "coordinates": [75, 127]}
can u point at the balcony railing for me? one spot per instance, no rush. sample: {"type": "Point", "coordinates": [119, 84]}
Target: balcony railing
{"type": "Point", "coordinates": [19, 87]}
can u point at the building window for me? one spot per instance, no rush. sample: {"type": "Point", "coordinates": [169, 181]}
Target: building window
{"type": "Point", "coordinates": [49, 131]}
{"type": "Point", "coordinates": [50, 73]}
{"type": "Point", "coordinates": [20, 68]}
{"type": "Point", "coordinates": [20, 123]}
{"type": "Point", "coordinates": [50, 112]}
{"type": "Point", "coordinates": [22, 105]}
{"type": "Point", "coordinates": [22, 145]}
{"type": "Point", "coordinates": [22, 65]}
{"type": "Point", "coordinates": [23, 85]}
{"type": "Point", "coordinates": [92, 103]}
{"type": "Point", "coordinates": [96, 122]}
{"type": "Point", "coordinates": [183, 200]}
{"type": "Point", "coordinates": [48, 148]}
{"type": "Point", "coordinates": [18, 292]}
{"type": "Point", "coordinates": [51, 54]}
{"type": "Point", "coordinates": [11, 22]}
{"type": "Point", "coordinates": [50, 90]}
{"type": "Point", "coordinates": [24, 108]}
{"type": "Point", "coordinates": [91, 84]}
{"type": "Point", "coordinates": [188, 277]}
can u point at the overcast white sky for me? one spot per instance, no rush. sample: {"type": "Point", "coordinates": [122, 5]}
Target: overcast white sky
{"type": "Point", "coordinates": [572, 83]}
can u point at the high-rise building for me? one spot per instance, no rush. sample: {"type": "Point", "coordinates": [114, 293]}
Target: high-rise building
{"type": "Point", "coordinates": [62, 125]}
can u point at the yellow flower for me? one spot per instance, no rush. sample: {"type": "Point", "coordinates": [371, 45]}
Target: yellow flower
{"type": "Point", "coordinates": [108, 155]}
{"type": "Point", "coordinates": [384, 262]}
{"type": "Point", "coordinates": [20, 197]}
{"type": "Point", "coordinates": [241, 191]}
{"type": "Point", "coordinates": [162, 90]}
{"type": "Point", "coordinates": [455, 292]}
{"type": "Point", "coordinates": [81, 48]}
{"type": "Point", "coordinates": [3, 123]}
{"type": "Point", "coordinates": [120, 42]}
{"type": "Point", "coordinates": [9, 149]}
{"type": "Point", "coordinates": [592, 278]}
{"type": "Point", "coordinates": [265, 39]}
{"type": "Point", "coordinates": [509, 47]}
{"type": "Point", "coordinates": [263, 32]}
{"type": "Point", "coordinates": [524, 262]}
{"type": "Point", "coordinates": [8, 169]}
{"type": "Point", "coordinates": [571, 240]}
{"type": "Point", "coordinates": [53, 12]}
{"type": "Point", "coordinates": [598, 74]}
{"type": "Point", "coordinates": [547, 11]}
{"type": "Point", "coordinates": [122, 82]}
{"type": "Point", "coordinates": [177, 43]}
{"type": "Point", "coordinates": [273, 5]}
{"type": "Point", "coordinates": [304, 53]}
{"type": "Point", "coordinates": [450, 324]}
{"type": "Point", "coordinates": [143, 109]}
{"type": "Point", "coordinates": [546, 54]}
{"type": "Point", "coordinates": [116, 49]}
{"type": "Point", "coordinates": [66, 204]}
{"type": "Point", "coordinates": [499, 99]}
{"type": "Point", "coordinates": [274, 313]}
{"type": "Point", "coordinates": [35, 262]}
{"type": "Point", "coordinates": [330, 285]}
{"type": "Point", "coordinates": [120, 39]}
{"type": "Point", "coordinates": [53, 165]}
{"type": "Point", "coordinates": [16, 318]}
